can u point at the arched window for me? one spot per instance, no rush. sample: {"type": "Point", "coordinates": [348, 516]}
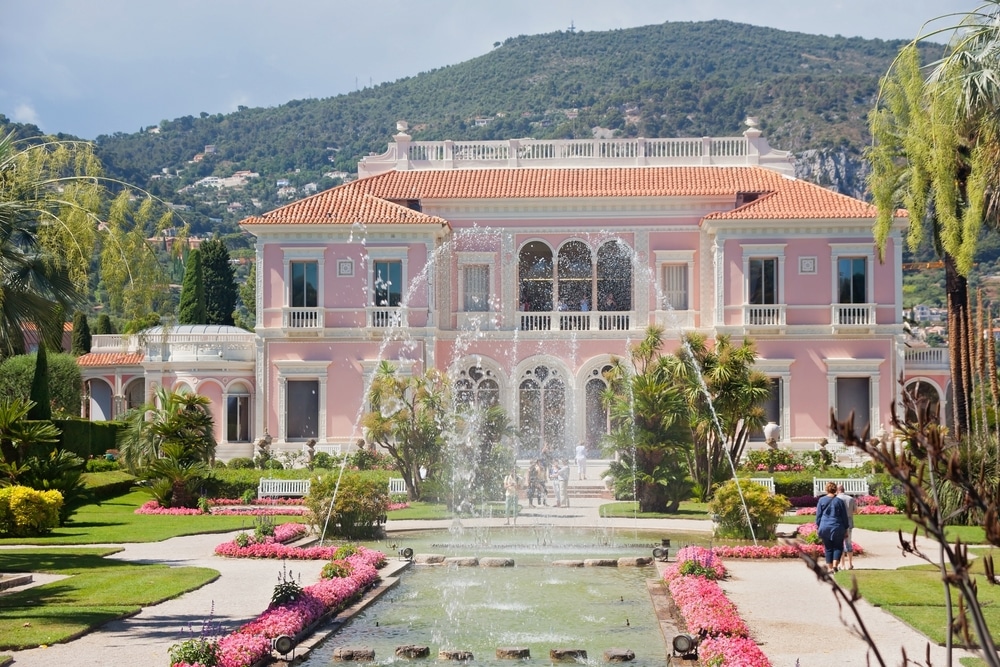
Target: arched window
{"type": "Point", "coordinates": [924, 392]}
{"type": "Point", "coordinates": [598, 416]}
{"type": "Point", "coordinates": [542, 417]}
{"type": "Point", "coordinates": [575, 272]}
{"type": "Point", "coordinates": [478, 387]}
{"type": "Point", "coordinates": [534, 268]}
{"type": "Point", "coordinates": [614, 277]}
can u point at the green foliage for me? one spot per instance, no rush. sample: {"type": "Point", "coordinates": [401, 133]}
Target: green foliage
{"type": "Point", "coordinates": [81, 334]}
{"type": "Point", "coordinates": [336, 569]}
{"type": "Point", "coordinates": [243, 540]}
{"type": "Point", "coordinates": [39, 392]}
{"type": "Point", "coordinates": [769, 458]}
{"type": "Point", "coordinates": [18, 435]}
{"type": "Point", "coordinates": [263, 528]}
{"type": "Point", "coordinates": [101, 465]}
{"type": "Point", "coordinates": [176, 477]}
{"type": "Point", "coordinates": [241, 463]}
{"type": "Point", "coordinates": [794, 484]}
{"type": "Point", "coordinates": [192, 307]}
{"type": "Point", "coordinates": [765, 511]}
{"type": "Point", "coordinates": [287, 590]}
{"type": "Point", "coordinates": [219, 282]}
{"type": "Point", "coordinates": [65, 383]}
{"type": "Point", "coordinates": [104, 325]}
{"type": "Point", "coordinates": [26, 512]}
{"type": "Point", "coordinates": [359, 508]}
{"type": "Point", "coordinates": [246, 314]}
{"type": "Point", "coordinates": [325, 461]}
{"type": "Point", "coordinates": [345, 551]}
{"type": "Point", "coordinates": [197, 651]}
{"type": "Point", "coordinates": [694, 568]}
{"type": "Point", "coordinates": [60, 471]}
{"type": "Point", "coordinates": [179, 419]}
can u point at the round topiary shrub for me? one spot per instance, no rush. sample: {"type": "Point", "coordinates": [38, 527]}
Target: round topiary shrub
{"type": "Point", "coordinates": [765, 511]}
{"type": "Point", "coordinates": [241, 463]}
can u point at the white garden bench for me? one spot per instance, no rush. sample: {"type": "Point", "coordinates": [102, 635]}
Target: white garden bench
{"type": "Point", "coordinates": [855, 486]}
{"type": "Point", "coordinates": [397, 485]}
{"type": "Point", "coordinates": [766, 482]}
{"type": "Point", "coordinates": [277, 488]}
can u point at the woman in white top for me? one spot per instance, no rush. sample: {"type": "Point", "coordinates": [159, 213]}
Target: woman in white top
{"type": "Point", "coordinates": [581, 461]}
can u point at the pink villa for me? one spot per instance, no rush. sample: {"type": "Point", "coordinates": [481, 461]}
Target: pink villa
{"type": "Point", "coordinates": [522, 268]}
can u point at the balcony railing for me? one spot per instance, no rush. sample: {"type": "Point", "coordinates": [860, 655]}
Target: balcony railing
{"type": "Point", "coordinates": [302, 318]}
{"type": "Point", "coordinates": [675, 319]}
{"type": "Point", "coordinates": [576, 321]}
{"type": "Point", "coordinates": [853, 315]}
{"type": "Point", "coordinates": [927, 357]}
{"type": "Point", "coordinates": [764, 315]}
{"type": "Point", "coordinates": [386, 318]}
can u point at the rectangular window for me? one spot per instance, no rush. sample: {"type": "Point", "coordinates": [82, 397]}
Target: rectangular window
{"type": "Point", "coordinates": [854, 395]}
{"type": "Point", "coordinates": [238, 419]}
{"type": "Point", "coordinates": [772, 409]}
{"type": "Point", "coordinates": [477, 288]}
{"type": "Point", "coordinates": [388, 278]}
{"type": "Point", "coordinates": [762, 282]}
{"type": "Point", "coordinates": [852, 284]}
{"type": "Point", "coordinates": [304, 288]}
{"type": "Point", "coordinates": [675, 286]}
{"type": "Point", "coordinates": [302, 416]}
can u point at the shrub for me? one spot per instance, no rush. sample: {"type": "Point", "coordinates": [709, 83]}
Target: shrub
{"type": "Point", "coordinates": [241, 463]}
{"type": "Point", "coordinates": [336, 569]}
{"type": "Point", "coordinates": [769, 459]}
{"type": "Point", "coordinates": [60, 471]}
{"type": "Point", "coordinates": [765, 511]}
{"type": "Point", "coordinates": [200, 651]}
{"type": "Point", "coordinates": [367, 459]}
{"type": "Point", "coordinates": [359, 508]}
{"type": "Point", "coordinates": [26, 512]}
{"type": "Point", "coordinates": [344, 552]}
{"type": "Point", "coordinates": [288, 590]}
{"type": "Point", "coordinates": [803, 501]}
{"type": "Point", "coordinates": [790, 484]}
{"type": "Point", "coordinates": [325, 461]}
{"type": "Point", "coordinates": [65, 381]}
{"type": "Point", "coordinates": [102, 465]}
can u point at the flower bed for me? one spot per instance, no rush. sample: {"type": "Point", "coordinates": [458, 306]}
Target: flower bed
{"type": "Point", "coordinates": [153, 507]}
{"type": "Point", "coordinates": [257, 501]}
{"type": "Point", "coordinates": [252, 641]}
{"type": "Point", "coordinates": [861, 509]}
{"type": "Point", "coordinates": [709, 613]}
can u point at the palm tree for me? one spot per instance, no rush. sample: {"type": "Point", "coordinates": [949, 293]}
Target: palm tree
{"type": "Point", "coordinates": [18, 434]}
{"type": "Point", "coordinates": [171, 419]}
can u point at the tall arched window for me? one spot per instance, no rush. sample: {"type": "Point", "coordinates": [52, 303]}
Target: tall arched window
{"type": "Point", "coordinates": [534, 269]}
{"type": "Point", "coordinates": [614, 277]}
{"type": "Point", "coordinates": [925, 392]}
{"type": "Point", "coordinates": [598, 416]}
{"type": "Point", "coordinates": [478, 387]}
{"type": "Point", "coordinates": [542, 417]}
{"type": "Point", "coordinates": [575, 273]}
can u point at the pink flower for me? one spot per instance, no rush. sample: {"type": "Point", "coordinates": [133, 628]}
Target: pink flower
{"type": "Point", "coordinates": [732, 652]}
{"type": "Point", "coordinates": [154, 507]}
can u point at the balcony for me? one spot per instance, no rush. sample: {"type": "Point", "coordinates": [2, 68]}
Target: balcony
{"type": "Point", "coordinates": [852, 316]}
{"type": "Point", "coordinates": [926, 358]}
{"type": "Point", "coordinates": [575, 321]}
{"type": "Point", "coordinates": [303, 320]}
{"type": "Point", "coordinates": [764, 316]}
{"type": "Point", "coordinates": [387, 318]}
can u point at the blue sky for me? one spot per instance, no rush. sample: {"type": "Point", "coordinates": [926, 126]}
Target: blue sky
{"type": "Point", "coordinates": [104, 66]}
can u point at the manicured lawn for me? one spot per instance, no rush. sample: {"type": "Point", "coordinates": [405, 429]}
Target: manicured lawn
{"type": "Point", "coordinates": [421, 510]}
{"type": "Point", "coordinates": [628, 510]}
{"type": "Point", "coordinates": [96, 591]}
{"type": "Point", "coordinates": [115, 521]}
{"type": "Point", "coordinates": [915, 595]}
{"type": "Point", "coordinates": [895, 522]}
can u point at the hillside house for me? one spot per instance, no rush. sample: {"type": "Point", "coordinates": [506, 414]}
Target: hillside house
{"type": "Point", "coordinates": [523, 267]}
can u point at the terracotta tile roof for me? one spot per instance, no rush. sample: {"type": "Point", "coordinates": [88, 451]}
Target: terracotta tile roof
{"type": "Point", "coordinates": [370, 200]}
{"type": "Point", "coordinates": [343, 205]}
{"type": "Point", "coordinates": [110, 359]}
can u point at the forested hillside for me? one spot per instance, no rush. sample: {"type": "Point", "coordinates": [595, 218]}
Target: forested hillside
{"type": "Point", "coordinates": [811, 93]}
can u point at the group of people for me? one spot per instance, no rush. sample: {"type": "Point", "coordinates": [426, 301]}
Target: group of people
{"type": "Point", "coordinates": [541, 470]}
{"type": "Point", "coordinates": [835, 523]}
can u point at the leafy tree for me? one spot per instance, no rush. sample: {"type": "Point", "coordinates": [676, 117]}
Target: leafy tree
{"type": "Point", "coordinates": [60, 471]}
{"type": "Point", "coordinates": [478, 454]}
{"type": "Point", "coordinates": [39, 395]}
{"type": "Point", "coordinates": [172, 419]}
{"type": "Point", "coordinates": [81, 334]}
{"type": "Point", "coordinates": [219, 282]}
{"type": "Point", "coordinates": [57, 219]}
{"type": "Point", "coordinates": [246, 316]}
{"type": "Point", "coordinates": [408, 418]}
{"type": "Point", "coordinates": [191, 309]}
{"type": "Point", "coordinates": [725, 396]}
{"type": "Point", "coordinates": [65, 380]}
{"type": "Point", "coordinates": [104, 325]}
{"type": "Point", "coordinates": [650, 414]}
{"type": "Point", "coordinates": [175, 477]}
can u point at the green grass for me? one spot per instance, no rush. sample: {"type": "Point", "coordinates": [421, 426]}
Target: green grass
{"type": "Point", "coordinates": [421, 510]}
{"type": "Point", "coordinates": [96, 591]}
{"type": "Point", "coordinates": [915, 596]}
{"type": "Point", "coordinates": [629, 510]}
{"type": "Point", "coordinates": [115, 521]}
{"type": "Point", "coordinates": [890, 523]}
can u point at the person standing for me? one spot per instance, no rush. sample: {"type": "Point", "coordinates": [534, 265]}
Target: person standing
{"type": "Point", "coordinates": [510, 497]}
{"type": "Point", "coordinates": [851, 505]}
{"type": "Point", "coordinates": [581, 461]}
{"type": "Point", "coordinates": [831, 524]}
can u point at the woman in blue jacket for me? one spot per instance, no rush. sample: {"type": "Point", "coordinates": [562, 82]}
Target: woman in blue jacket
{"type": "Point", "coordinates": [831, 524]}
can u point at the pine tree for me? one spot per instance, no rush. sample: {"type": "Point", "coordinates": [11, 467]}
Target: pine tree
{"type": "Point", "coordinates": [42, 409]}
{"type": "Point", "coordinates": [104, 325]}
{"type": "Point", "coordinates": [219, 281]}
{"type": "Point", "coordinates": [81, 334]}
{"type": "Point", "coordinates": [191, 309]}
{"type": "Point", "coordinates": [246, 315]}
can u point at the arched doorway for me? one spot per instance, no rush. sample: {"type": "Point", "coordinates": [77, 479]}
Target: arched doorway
{"type": "Point", "coordinates": [542, 411]}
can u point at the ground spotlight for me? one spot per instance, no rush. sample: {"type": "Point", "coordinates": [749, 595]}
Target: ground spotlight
{"type": "Point", "coordinates": [685, 646]}
{"type": "Point", "coordinates": [406, 553]}
{"type": "Point", "coordinates": [661, 553]}
{"type": "Point", "coordinates": [283, 644]}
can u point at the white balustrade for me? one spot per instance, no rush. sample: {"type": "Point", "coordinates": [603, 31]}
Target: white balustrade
{"type": "Point", "coordinates": [302, 318]}
{"type": "Point", "coordinates": [853, 314]}
{"type": "Point", "coordinates": [386, 318]}
{"type": "Point", "coordinates": [927, 356]}
{"type": "Point", "coordinates": [764, 315]}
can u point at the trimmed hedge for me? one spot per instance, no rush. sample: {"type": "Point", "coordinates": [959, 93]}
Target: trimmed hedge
{"type": "Point", "coordinates": [107, 485]}
{"type": "Point", "coordinates": [234, 482]}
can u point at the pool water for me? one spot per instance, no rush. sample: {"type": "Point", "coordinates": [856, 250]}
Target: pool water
{"type": "Point", "coordinates": [534, 604]}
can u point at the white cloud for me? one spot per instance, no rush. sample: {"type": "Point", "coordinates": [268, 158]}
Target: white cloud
{"type": "Point", "coordinates": [25, 113]}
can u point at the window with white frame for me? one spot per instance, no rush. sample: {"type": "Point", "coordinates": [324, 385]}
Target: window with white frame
{"type": "Point", "coordinates": [302, 410]}
{"type": "Point", "coordinates": [387, 288]}
{"type": "Point", "coordinates": [238, 415]}
{"type": "Point", "coordinates": [476, 288]}
{"type": "Point", "coordinates": [675, 269]}
{"type": "Point", "coordinates": [762, 280]}
{"type": "Point", "coordinates": [852, 280]}
{"type": "Point", "coordinates": [303, 284]}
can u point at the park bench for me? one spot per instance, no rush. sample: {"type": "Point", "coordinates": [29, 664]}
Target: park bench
{"type": "Point", "coordinates": [397, 485]}
{"type": "Point", "coordinates": [766, 482]}
{"type": "Point", "coordinates": [855, 486]}
{"type": "Point", "coordinates": [279, 488]}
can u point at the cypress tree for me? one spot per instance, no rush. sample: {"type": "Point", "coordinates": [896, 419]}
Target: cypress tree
{"type": "Point", "coordinates": [104, 325]}
{"type": "Point", "coordinates": [81, 334]}
{"type": "Point", "coordinates": [219, 281]}
{"type": "Point", "coordinates": [191, 309]}
{"type": "Point", "coordinates": [40, 386]}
